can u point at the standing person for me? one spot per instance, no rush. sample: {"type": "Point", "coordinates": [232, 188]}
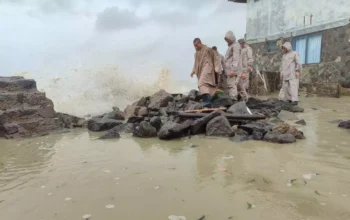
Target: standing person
{"type": "Point", "coordinates": [219, 69]}
{"type": "Point", "coordinates": [204, 68]}
{"type": "Point", "coordinates": [290, 72]}
{"type": "Point", "coordinates": [246, 63]}
{"type": "Point", "coordinates": [231, 64]}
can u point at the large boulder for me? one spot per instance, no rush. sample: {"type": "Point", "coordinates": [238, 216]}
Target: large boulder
{"type": "Point", "coordinates": [199, 125]}
{"type": "Point", "coordinates": [287, 116]}
{"type": "Point", "coordinates": [115, 114]}
{"type": "Point", "coordinates": [69, 121]}
{"type": "Point", "coordinates": [156, 122]}
{"type": "Point", "coordinates": [123, 128]}
{"type": "Point", "coordinates": [172, 130]}
{"type": "Point", "coordinates": [145, 130]}
{"type": "Point", "coordinates": [279, 138]}
{"type": "Point", "coordinates": [344, 124]}
{"type": "Point", "coordinates": [254, 127]}
{"type": "Point", "coordinates": [219, 126]}
{"type": "Point", "coordinates": [131, 110]}
{"type": "Point", "coordinates": [143, 112]}
{"type": "Point", "coordinates": [143, 102]}
{"type": "Point", "coordinates": [160, 99]}
{"type": "Point", "coordinates": [111, 134]}
{"type": "Point", "coordinates": [239, 108]}
{"type": "Point", "coordinates": [102, 124]}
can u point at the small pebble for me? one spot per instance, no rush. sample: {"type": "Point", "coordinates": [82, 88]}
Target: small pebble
{"type": "Point", "coordinates": [117, 183]}
{"type": "Point", "coordinates": [49, 194]}
{"type": "Point", "coordinates": [156, 187]}
{"type": "Point", "coordinates": [43, 187]}
{"type": "Point", "coordinates": [67, 199]}
{"type": "Point", "coordinates": [344, 195]}
{"type": "Point", "coordinates": [282, 171]}
{"type": "Point", "coordinates": [107, 171]}
{"type": "Point", "coordinates": [116, 178]}
{"type": "Point", "coordinates": [330, 193]}
{"type": "Point", "coordinates": [289, 184]}
{"type": "Point", "coordinates": [322, 203]}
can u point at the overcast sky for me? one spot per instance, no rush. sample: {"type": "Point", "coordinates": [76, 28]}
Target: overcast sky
{"type": "Point", "coordinates": [139, 36]}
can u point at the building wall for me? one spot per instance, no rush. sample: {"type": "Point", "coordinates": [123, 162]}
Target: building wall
{"type": "Point", "coordinates": [274, 18]}
{"type": "Point", "coordinates": [333, 68]}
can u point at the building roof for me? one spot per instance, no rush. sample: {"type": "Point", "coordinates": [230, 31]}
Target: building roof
{"type": "Point", "coordinates": [238, 1]}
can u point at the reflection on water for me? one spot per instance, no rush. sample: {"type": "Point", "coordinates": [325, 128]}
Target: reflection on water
{"type": "Point", "coordinates": [71, 175]}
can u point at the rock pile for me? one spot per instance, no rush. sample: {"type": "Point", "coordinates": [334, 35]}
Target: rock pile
{"type": "Point", "coordinates": [26, 112]}
{"type": "Point", "coordinates": [158, 116]}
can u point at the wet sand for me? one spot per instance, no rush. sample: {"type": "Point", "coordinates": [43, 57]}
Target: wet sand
{"type": "Point", "coordinates": [71, 175]}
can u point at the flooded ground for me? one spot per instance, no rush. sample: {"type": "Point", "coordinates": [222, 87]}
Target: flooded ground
{"type": "Point", "coordinates": [72, 175]}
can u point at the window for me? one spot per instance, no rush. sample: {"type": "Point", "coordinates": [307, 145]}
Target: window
{"type": "Point", "coordinates": [309, 48]}
{"type": "Point", "coordinates": [272, 46]}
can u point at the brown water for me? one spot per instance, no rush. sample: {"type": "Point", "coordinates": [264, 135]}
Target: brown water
{"type": "Point", "coordinates": [70, 175]}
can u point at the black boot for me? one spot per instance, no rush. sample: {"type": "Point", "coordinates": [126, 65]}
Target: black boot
{"type": "Point", "coordinates": [206, 102]}
{"type": "Point", "coordinates": [295, 103]}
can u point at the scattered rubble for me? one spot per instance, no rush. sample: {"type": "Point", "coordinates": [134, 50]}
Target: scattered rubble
{"type": "Point", "coordinates": [172, 116]}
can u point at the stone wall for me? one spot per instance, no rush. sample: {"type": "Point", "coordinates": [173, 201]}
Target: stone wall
{"type": "Point", "coordinates": [334, 66]}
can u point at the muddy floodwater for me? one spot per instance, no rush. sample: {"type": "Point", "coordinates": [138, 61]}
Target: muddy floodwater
{"type": "Point", "coordinates": [74, 176]}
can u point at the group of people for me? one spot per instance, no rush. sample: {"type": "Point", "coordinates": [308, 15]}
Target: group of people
{"type": "Point", "coordinates": [230, 73]}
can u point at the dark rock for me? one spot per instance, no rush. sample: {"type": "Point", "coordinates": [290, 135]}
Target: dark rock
{"type": "Point", "coordinates": [116, 114]}
{"type": "Point", "coordinates": [184, 99]}
{"type": "Point", "coordinates": [165, 134]}
{"type": "Point", "coordinates": [111, 134]}
{"type": "Point", "coordinates": [156, 122]}
{"type": "Point", "coordinates": [219, 126]}
{"type": "Point", "coordinates": [135, 119]}
{"type": "Point", "coordinates": [239, 138]}
{"type": "Point", "coordinates": [344, 124]}
{"type": "Point", "coordinates": [8, 129]}
{"type": "Point", "coordinates": [102, 124]}
{"type": "Point", "coordinates": [285, 116]}
{"type": "Point", "coordinates": [192, 105]}
{"type": "Point", "coordinates": [241, 132]}
{"type": "Point", "coordinates": [258, 135]}
{"type": "Point", "coordinates": [239, 108]}
{"type": "Point", "coordinates": [160, 99]}
{"type": "Point", "coordinates": [301, 122]}
{"type": "Point", "coordinates": [222, 102]}
{"type": "Point", "coordinates": [314, 109]}
{"type": "Point", "coordinates": [142, 102]}
{"type": "Point", "coordinates": [194, 95]}
{"type": "Point", "coordinates": [123, 128]}
{"type": "Point", "coordinates": [177, 97]}
{"type": "Point", "coordinates": [145, 130]}
{"type": "Point", "coordinates": [143, 111]}
{"type": "Point", "coordinates": [199, 125]}
{"type": "Point", "coordinates": [131, 111]}
{"type": "Point", "coordinates": [181, 129]}
{"type": "Point", "coordinates": [163, 111]}
{"type": "Point", "coordinates": [281, 128]}
{"type": "Point", "coordinates": [70, 121]}
{"type": "Point", "coordinates": [153, 113]}
{"type": "Point", "coordinates": [279, 138]}
{"type": "Point", "coordinates": [250, 128]}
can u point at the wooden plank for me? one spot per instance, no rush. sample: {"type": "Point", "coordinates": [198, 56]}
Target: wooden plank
{"type": "Point", "coordinates": [205, 110]}
{"type": "Point", "coordinates": [228, 116]}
